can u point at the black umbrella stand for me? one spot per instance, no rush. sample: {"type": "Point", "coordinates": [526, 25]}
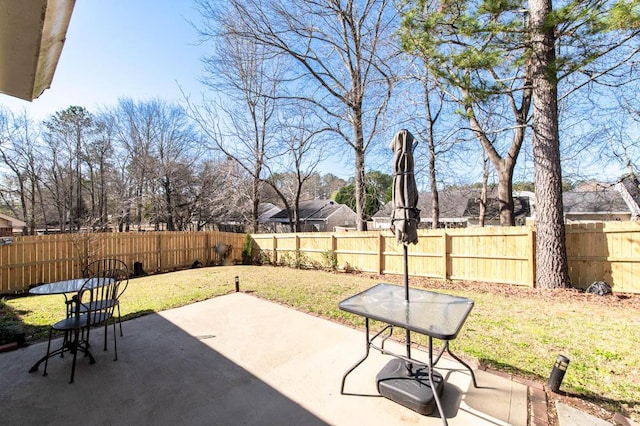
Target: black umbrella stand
{"type": "Point", "coordinates": [401, 380]}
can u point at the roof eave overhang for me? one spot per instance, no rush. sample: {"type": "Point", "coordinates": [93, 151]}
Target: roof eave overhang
{"type": "Point", "coordinates": [32, 34]}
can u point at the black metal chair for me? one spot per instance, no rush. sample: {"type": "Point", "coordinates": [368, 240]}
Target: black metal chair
{"type": "Point", "coordinates": [93, 305]}
{"type": "Point", "coordinates": [110, 264]}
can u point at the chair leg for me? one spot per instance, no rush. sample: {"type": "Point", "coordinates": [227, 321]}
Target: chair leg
{"type": "Point", "coordinates": [119, 319]}
{"type": "Point", "coordinates": [88, 331]}
{"type": "Point", "coordinates": [46, 360]}
{"type": "Point", "coordinates": [115, 343]}
{"type": "Point", "coordinates": [106, 329]}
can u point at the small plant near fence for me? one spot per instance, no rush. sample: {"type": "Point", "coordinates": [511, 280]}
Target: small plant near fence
{"type": "Point", "coordinates": [330, 260]}
{"type": "Point", "coordinates": [265, 257]}
{"type": "Point", "coordinates": [349, 269]}
{"type": "Point", "coordinates": [298, 260]}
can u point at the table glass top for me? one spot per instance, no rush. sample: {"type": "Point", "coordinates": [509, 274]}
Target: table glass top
{"type": "Point", "coordinates": [69, 286]}
{"type": "Point", "coordinates": [434, 314]}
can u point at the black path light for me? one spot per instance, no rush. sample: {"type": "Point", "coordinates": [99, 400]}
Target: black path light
{"type": "Point", "coordinates": [557, 373]}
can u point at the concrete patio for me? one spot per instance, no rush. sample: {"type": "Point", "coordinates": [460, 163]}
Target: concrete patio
{"type": "Point", "coordinates": [232, 360]}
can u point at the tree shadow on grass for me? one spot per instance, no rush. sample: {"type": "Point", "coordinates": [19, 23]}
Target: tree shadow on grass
{"type": "Point", "coordinates": [12, 330]}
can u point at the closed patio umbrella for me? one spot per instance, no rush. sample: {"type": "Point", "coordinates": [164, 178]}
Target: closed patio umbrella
{"type": "Point", "coordinates": [405, 215]}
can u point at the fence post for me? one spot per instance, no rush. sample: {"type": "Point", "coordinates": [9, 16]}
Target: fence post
{"type": "Point", "coordinates": [531, 257]}
{"type": "Point", "coordinates": [445, 259]}
{"type": "Point", "coordinates": [207, 249]}
{"type": "Point", "coordinates": [380, 253]}
{"type": "Point", "coordinates": [274, 245]}
{"type": "Point", "coordinates": [159, 264]}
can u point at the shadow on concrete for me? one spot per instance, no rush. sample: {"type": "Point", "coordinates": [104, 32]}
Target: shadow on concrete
{"type": "Point", "coordinates": [163, 376]}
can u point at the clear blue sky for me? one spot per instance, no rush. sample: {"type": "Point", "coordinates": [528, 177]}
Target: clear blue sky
{"type": "Point", "coordinates": [140, 49]}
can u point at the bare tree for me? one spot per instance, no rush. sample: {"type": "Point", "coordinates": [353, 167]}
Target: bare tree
{"type": "Point", "coordinates": [72, 127]}
{"type": "Point", "coordinates": [19, 153]}
{"type": "Point", "coordinates": [241, 123]}
{"type": "Point", "coordinates": [158, 140]}
{"type": "Point", "coordinates": [301, 147]}
{"type": "Point", "coordinates": [337, 61]}
{"type": "Point", "coordinates": [99, 156]}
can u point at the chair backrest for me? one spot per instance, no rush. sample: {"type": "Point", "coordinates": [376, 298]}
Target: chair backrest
{"type": "Point", "coordinates": [103, 265]}
{"type": "Point", "coordinates": [108, 264]}
{"type": "Point", "coordinates": [99, 294]}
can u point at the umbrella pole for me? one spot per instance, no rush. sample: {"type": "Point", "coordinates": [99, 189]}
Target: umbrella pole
{"type": "Point", "coordinates": [406, 300]}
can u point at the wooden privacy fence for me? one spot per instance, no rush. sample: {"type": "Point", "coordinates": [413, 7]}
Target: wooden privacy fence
{"type": "Point", "coordinates": [502, 255]}
{"type": "Point", "coordinates": [41, 259]}
{"type": "Point", "coordinates": [596, 252]}
{"type": "Point", "coordinates": [608, 251]}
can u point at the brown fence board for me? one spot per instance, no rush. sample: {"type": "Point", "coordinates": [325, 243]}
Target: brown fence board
{"type": "Point", "coordinates": [34, 260]}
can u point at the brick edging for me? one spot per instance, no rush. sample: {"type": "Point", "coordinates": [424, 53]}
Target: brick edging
{"type": "Point", "coordinates": [536, 395]}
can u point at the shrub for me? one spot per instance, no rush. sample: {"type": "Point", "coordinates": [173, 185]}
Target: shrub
{"type": "Point", "coordinates": [330, 260]}
{"type": "Point", "coordinates": [247, 250]}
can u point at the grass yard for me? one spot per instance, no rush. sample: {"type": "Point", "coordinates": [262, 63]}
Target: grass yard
{"type": "Point", "coordinates": [512, 329]}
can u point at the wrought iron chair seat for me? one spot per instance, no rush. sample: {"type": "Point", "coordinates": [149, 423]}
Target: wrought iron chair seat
{"type": "Point", "coordinates": [93, 305]}
{"type": "Point", "coordinates": [104, 265]}
{"type": "Point", "coordinates": [82, 320]}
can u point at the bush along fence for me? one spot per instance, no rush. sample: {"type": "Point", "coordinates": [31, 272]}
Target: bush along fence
{"type": "Point", "coordinates": [608, 252]}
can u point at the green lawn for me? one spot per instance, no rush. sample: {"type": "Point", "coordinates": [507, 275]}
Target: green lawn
{"type": "Point", "coordinates": [512, 329]}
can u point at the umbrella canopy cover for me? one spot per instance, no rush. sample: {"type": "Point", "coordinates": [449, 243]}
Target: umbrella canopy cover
{"type": "Point", "coordinates": [405, 216]}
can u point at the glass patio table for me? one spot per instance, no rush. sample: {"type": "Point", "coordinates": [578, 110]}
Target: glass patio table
{"type": "Point", "coordinates": [66, 287]}
{"type": "Point", "coordinates": [435, 315]}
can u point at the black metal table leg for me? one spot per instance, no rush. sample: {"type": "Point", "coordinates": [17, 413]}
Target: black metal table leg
{"type": "Point", "coordinates": [473, 376]}
{"type": "Point", "coordinates": [436, 397]}
{"type": "Point", "coordinates": [366, 355]}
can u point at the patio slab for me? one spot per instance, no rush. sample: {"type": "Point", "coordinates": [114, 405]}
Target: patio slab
{"type": "Point", "coordinates": [237, 359]}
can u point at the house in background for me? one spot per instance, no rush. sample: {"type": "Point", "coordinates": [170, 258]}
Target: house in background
{"type": "Point", "coordinates": [315, 216]}
{"type": "Point", "coordinates": [592, 202]}
{"type": "Point", "coordinates": [10, 225]}
{"type": "Point", "coordinates": [601, 203]}
{"type": "Point", "coordinates": [460, 208]}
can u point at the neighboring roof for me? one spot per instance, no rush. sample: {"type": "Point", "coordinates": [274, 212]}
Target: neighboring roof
{"type": "Point", "coordinates": [32, 33]}
{"type": "Point", "coordinates": [310, 210]}
{"type": "Point", "coordinates": [266, 211]}
{"type": "Point", "coordinates": [604, 201]}
{"type": "Point", "coordinates": [15, 223]}
{"type": "Point", "coordinates": [521, 208]}
{"type": "Point", "coordinates": [452, 203]}
{"type": "Point", "coordinates": [459, 203]}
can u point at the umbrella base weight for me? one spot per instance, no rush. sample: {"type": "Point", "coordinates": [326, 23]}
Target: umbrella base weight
{"type": "Point", "coordinates": [410, 389]}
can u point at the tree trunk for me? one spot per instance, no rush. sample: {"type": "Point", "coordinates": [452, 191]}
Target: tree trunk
{"type": "Point", "coordinates": [483, 195]}
{"type": "Point", "coordinates": [435, 199]}
{"type": "Point", "coordinates": [504, 166]}
{"type": "Point", "coordinates": [360, 188]}
{"type": "Point", "coordinates": [505, 194]}
{"type": "Point", "coordinates": [255, 199]}
{"type": "Point", "coordinates": [551, 252]}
